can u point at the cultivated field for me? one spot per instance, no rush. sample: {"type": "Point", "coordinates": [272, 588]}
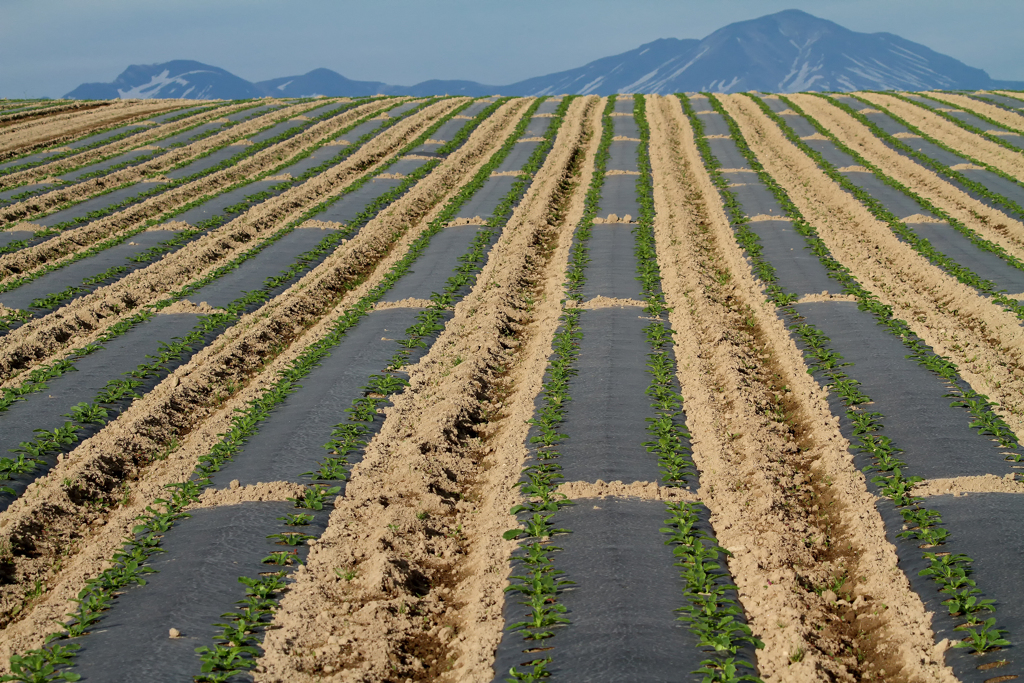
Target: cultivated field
{"type": "Point", "coordinates": [683, 388]}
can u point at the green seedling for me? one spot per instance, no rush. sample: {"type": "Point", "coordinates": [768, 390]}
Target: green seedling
{"type": "Point", "coordinates": [538, 672]}
{"type": "Point", "coordinates": [226, 660]}
{"type": "Point", "coordinates": [291, 538]}
{"type": "Point", "coordinates": [281, 558]}
{"type": "Point", "coordinates": [988, 637]}
{"type": "Point", "coordinates": [347, 574]}
{"type": "Point", "coordinates": [23, 465]}
{"type": "Point", "coordinates": [265, 586]}
{"type": "Point", "coordinates": [965, 602]}
{"type": "Point", "coordinates": [724, 671]}
{"type": "Point", "coordinates": [36, 668]}
{"type": "Point", "coordinates": [88, 413]}
{"type": "Point", "coordinates": [315, 497]}
{"type": "Point", "coordinates": [296, 519]}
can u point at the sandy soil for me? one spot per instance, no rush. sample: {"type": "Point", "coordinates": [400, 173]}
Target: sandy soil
{"type": "Point", "coordinates": [88, 316]}
{"type": "Point", "coordinates": [1006, 160]}
{"type": "Point", "coordinates": [196, 403]}
{"type": "Point", "coordinates": [988, 483]}
{"type": "Point", "coordinates": [157, 131]}
{"type": "Point", "coordinates": [458, 430]}
{"type": "Point", "coordinates": [730, 373]}
{"type": "Point", "coordinates": [986, 342]}
{"type": "Point", "coordinates": [990, 223]}
{"type": "Point", "coordinates": [51, 129]}
{"type": "Point", "coordinates": [1007, 118]}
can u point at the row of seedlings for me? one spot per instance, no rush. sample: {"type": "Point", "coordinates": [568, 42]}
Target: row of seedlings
{"type": "Point", "coordinates": [110, 195]}
{"type": "Point", "coordinates": [105, 137]}
{"type": "Point", "coordinates": [968, 119]}
{"type": "Point", "coordinates": [271, 285]}
{"type": "Point", "coordinates": [980, 180]}
{"type": "Point", "coordinates": [950, 245]}
{"type": "Point", "coordinates": [599, 603]}
{"type": "Point", "coordinates": [329, 373]}
{"type": "Point", "coordinates": [80, 169]}
{"type": "Point", "coordinates": [45, 289]}
{"type": "Point", "coordinates": [237, 287]}
{"type": "Point", "coordinates": [893, 394]}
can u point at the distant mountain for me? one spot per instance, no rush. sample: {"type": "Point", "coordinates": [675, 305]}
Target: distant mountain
{"type": "Point", "coordinates": [318, 82]}
{"type": "Point", "coordinates": [327, 82]}
{"type": "Point", "coordinates": [180, 78]}
{"type": "Point", "coordinates": [789, 51]}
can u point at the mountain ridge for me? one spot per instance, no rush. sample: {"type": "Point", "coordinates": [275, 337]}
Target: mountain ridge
{"type": "Point", "coordinates": [788, 51]}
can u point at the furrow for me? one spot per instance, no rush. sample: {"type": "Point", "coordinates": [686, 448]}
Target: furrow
{"type": "Point", "coordinates": [156, 237]}
{"type": "Point", "coordinates": [88, 317]}
{"type": "Point", "coordinates": [896, 412]}
{"type": "Point", "coordinates": [184, 415]}
{"type": "Point", "coordinates": [964, 142]}
{"type": "Point", "coordinates": [1001, 228]}
{"type": "Point", "coordinates": [986, 342]}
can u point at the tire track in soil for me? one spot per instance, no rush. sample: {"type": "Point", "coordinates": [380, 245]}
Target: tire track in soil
{"type": "Point", "coordinates": [985, 342]}
{"type": "Point", "coordinates": [195, 405]}
{"type": "Point", "coordinates": [763, 429]}
{"type": "Point", "coordinates": [86, 318]}
{"type": "Point", "coordinates": [991, 223]}
{"type": "Point", "coordinates": [963, 141]}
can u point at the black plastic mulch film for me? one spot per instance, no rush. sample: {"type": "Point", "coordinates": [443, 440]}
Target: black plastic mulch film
{"type": "Point", "coordinates": [929, 553]}
{"type": "Point", "coordinates": [88, 416]}
{"type": "Point", "coordinates": [595, 594]}
{"type": "Point", "coordinates": [221, 661]}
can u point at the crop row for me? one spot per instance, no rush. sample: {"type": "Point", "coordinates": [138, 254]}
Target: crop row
{"type": "Point", "coordinates": [119, 394]}
{"type": "Point", "coordinates": [185, 236]}
{"type": "Point", "coordinates": [225, 658]}
{"type": "Point", "coordinates": [207, 463]}
{"type": "Point", "coordinates": [923, 524]}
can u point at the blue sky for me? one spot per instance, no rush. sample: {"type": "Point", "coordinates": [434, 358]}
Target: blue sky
{"type": "Point", "coordinates": [48, 47]}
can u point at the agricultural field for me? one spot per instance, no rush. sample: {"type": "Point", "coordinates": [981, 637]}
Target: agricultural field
{"type": "Point", "coordinates": [638, 388]}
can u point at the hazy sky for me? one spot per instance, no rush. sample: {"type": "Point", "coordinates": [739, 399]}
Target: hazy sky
{"type": "Point", "coordinates": [49, 47]}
